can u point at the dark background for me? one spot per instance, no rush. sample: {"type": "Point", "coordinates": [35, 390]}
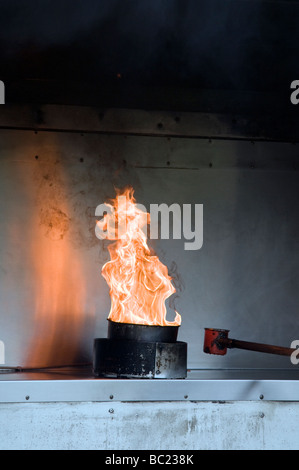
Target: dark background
{"type": "Point", "coordinates": [199, 55]}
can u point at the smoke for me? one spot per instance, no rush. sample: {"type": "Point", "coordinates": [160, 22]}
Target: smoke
{"type": "Point", "coordinates": [205, 43]}
{"type": "Point", "coordinates": [47, 22]}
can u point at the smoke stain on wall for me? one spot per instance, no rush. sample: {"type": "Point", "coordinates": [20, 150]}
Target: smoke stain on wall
{"type": "Point", "coordinates": [56, 222]}
{"type": "Point", "coordinates": [60, 317]}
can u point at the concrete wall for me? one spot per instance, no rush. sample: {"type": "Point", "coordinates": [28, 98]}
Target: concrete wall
{"type": "Point", "coordinates": [150, 426]}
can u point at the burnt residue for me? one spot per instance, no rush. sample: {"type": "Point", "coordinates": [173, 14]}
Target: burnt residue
{"type": "Point", "coordinates": [115, 357]}
{"type": "Point", "coordinates": [69, 187]}
{"type": "Point", "coordinates": [98, 178]}
{"type": "Point", "coordinates": [220, 341]}
{"type": "Point", "coordinates": [215, 341]}
{"type": "Point", "coordinates": [51, 199]}
{"type": "Point", "coordinates": [56, 200]}
{"type": "Point", "coordinates": [55, 221]}
{"type": "Point", "coordinates": [178, 283]}
{"type": "Point", "coordinates": [140, 332]}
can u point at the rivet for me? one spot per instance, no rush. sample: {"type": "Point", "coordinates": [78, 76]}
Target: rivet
{"type": "Point", "coordinates": [111, 410]}
{"type": "Point", "coordinates": [27, 397]}
{"type": "Point", "coordinates": [261, 396]}
{"type": "Point", "coordinates": [111, 397]}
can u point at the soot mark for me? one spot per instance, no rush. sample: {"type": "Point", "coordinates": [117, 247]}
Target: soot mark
{"type": "Point", "coordinates": [57, 223]}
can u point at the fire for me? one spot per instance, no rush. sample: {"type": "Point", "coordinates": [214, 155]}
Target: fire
{"type": "Point", "coordinates": [60, 316]}
{"type": "Point", "coordinates": [139, 283]}
{"type": "Point", "coordinates": [57, 294]}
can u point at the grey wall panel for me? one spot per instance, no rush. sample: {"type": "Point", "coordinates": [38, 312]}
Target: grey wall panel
{"type": "Point", "coordinates": [54, 300]}
{"type": "Point", "coordinates": [146, 426]}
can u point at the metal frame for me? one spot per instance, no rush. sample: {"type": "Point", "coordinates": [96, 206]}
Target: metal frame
{"type": "Point", "coordinates": [240, 125]}
{"type": "Point", "coordinates": [200, 385]}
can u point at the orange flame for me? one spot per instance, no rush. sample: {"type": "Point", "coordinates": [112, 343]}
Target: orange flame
{"type": "Point", "coordinates": [139, 283]}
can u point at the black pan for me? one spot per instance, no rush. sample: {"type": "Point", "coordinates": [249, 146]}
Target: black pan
{"type": "Point", "coordinates": [151, 333]}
